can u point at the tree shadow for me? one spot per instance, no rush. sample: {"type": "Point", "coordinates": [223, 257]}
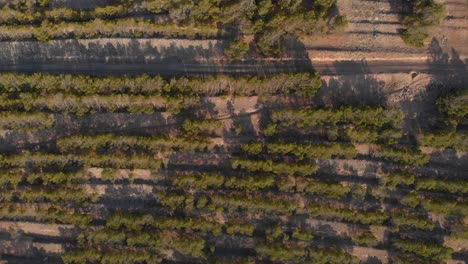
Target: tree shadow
{"type": "Point", "coordinates": [372, 260]}
{"type": "Point", "coordinates": [165, 57]}
{"type": "Point", "coordinates": [358, 89]}
{"type": "Point", "coordinates": [448, 73]}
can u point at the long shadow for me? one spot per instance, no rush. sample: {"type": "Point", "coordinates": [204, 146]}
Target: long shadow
{"type": "Point", "coordinates": [448, 73]}
{"type": "Point", "coordinates": [358, 89]}
{"type": "Point", "coordinates": [163, 57]}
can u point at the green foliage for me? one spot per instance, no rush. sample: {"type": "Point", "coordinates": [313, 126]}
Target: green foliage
{"type": "Point", "coordinates": [302, 235]}
{"type": "Point", "coordinates": [443, 185]}
{"type": "Point", "coordinates": [444, 139]}
{"type": "Point", "coordinates": [81, 256]}
{"type": "Point", "coordinates": [25, 122]}
{"type": "Point", "coordinates": [361, 135]}
{"type": "Point", "coordinates": [298, 253]}
{"type": "Point", "coordinates": [367, 117]}
{"type": "Point", "coordinates": [406, 219]}
{"type": "Point", "coordinates": [279, 252]}
{"type": "Point", "coordinates": [365, 238]}
{"type": "Point", "coordinates": [240, 228]}
{"type": "Point", "coordinates": [129, 221]}
{"type": "Point", "coordinates": [128, 257]}
{"type": "Point", "coordinates": [341, 23]}
{"type": "Point", "coordinates": [253, 148]}
{"type": "Point", "coordinates": [349, 215]}
{"type": "Point", "coordinates": [198, 181]}
{"type": "Point", "coordinates": [236, 50]}
{"type": "Point", "coordinates": [423, 14]}
{"type": "Point", "coordinates": [32, 89]}
{"type": "Point", "coordinates": [321, 151]}
{"type": "Point", "coordinates": [331, 190]}
{"type": "Point", "coordinates": [425, 249]}
{"type": "Point", "coordinates": [107, 237]}
{"type": "Point", "coordinates": [270, 130]}
{"type": "Point", "coordinates": [174, 201]}
{"type": "Point", "coordinates": [250, 183]}
{"type": "Point", "coordinates": [260, 204]}
{"type": "Point", "coordinates": [405, 156]}
{"type": "Point", "coordinates": [110, 143]}
{"type": "Point", "coordinates": [332, 256]}
{"type": "Point", "coordinates": [398, 179]}
{"type": "Point", "coordinates": [274, 167]}
{"type": "Point", "coordinates": [455, 104]}
{"type": "Point", "coordinates": [187, 224]}
{"type": "Point", "coordinates": [198, 127]}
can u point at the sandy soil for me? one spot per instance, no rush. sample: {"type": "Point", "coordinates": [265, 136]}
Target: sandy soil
{"type": "Point", "coordinates": [123, 174]}
{"type": "Point", "coordinates": [38, 229]}
{"type": "Point", "coordinates": [49, 248]}
{"type": "Point", "coordinates": [373, 33]}
{"type": "Point", "coordinates": [371, 254]}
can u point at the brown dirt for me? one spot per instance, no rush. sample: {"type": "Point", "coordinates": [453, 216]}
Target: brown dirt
{"type": "Point", "coordinates": [365, 253]}
{"type": "Point", "coordinates": [49, 248]}
{"type": "Point", "coordinates": [55, 230]}
{"type": "Point", "coordinates": [373, 33]}
{"type": "Point", "coordinates": [458, 245]}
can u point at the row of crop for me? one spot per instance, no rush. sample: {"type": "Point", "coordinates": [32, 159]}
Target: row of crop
{"type": "Point", "coordinates": [136, 223]}
{"type": "Point", "coordinates": [69, 163]}
{"type": "Point", "coordinates": [422, 15]}
{"type": "Point", "coordinates": [445, 139]}
{"type": "Point", "coordinates": [278, 168]}
{"type": "Point", "coordinates": [69, 196]}
{"type": "Point", "coordinates": [269, 205]}
{"type": "Point", "coordinates": [455, 104]}
{"type": "Point", "coordinates": [344, 133]}
{"type": "Point", "coordinates": [98, 28]}
{"type": "Point", "coordinates": [443, 206]}
{"type": "Point", "coordinates": [14, 177]}
{"type": "Point", "coordinates": [407, 156]}
{"type": "Point", "coordinates": [299, 254]}
{"type": "Point", "coordinates": [425, 183]}
{"type": "Point", "coordinates": [14, 14]}
{"type": "Point", "coordinates": [110, 143]}
{"type": "Point", "coordinates": [260, 182]}
{"type": "Point", "coordinates": [184, 243]}
{"type": "Point", "coordinates": [305, 84]}
{"type": "Point", "coordinates": [50, 213]}
{"type": "Point", "coordinates": [82, 105]}
{"type": "Point", "coordinates": [115, 255]}
{"type": "Point", "coordinates": [425, 250]}
{"type": "Point", "coordinates": [25, 122]}
{"type": "Point", "coordinates": [301, 151]}
{"type": "Point", "coordinates": [368, 117]}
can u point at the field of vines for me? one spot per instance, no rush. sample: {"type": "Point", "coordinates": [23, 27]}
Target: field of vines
{"type": "Point", "coordinates": [226, 169]}
{"type": "Point", "coordinates": [150, 170]}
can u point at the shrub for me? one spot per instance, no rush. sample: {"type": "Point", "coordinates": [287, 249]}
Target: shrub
{"type": "Point", "coordinates": [423, 14]}
{"type": "Point", "coordinates": [428, 250]}
{"type": "Point", "coordinates": [366, 238]}
{"type": "Point", "coordinates": [236, 50]}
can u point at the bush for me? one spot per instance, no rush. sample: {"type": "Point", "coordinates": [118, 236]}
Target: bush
{"type": "Point", "coordinates": [423, 14]}
{"type": "Point", "coordinates": [365, 238]}
{"type": "Point", "coordinates": [444, 139]}
{"type": "Point", "coordinates": [455, 104]}
{"type": "Point", "coordinates": [240, 228]}
{"type": "Point", "coordinates": [406, 219]}
{"type": "Point", "coordinates": [405, 156]}
{"type": "Point", "coordinates": [428, 250]}
{"type": "Point", "coordinates": [236, 50]}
